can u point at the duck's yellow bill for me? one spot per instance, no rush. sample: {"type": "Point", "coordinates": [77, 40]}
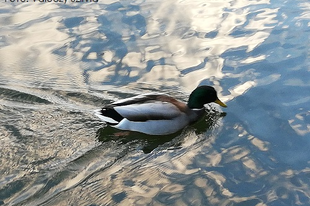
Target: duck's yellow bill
{"type": "Point", "coordinates": [220, 103]}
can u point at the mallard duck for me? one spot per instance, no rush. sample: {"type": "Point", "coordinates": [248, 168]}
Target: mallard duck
{"type": "Point", "coordinates": [156, 113]}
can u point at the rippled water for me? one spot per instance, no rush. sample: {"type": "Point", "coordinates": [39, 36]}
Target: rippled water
{"type": "Point", "coordinates": [59, 62]}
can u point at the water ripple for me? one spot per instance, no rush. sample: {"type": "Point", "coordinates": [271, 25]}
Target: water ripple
{"type": "Point", "coordinates": [59, 62]}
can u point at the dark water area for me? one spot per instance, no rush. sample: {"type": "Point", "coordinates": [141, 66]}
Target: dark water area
{"type": "Point", "coordinates": [61, 61]}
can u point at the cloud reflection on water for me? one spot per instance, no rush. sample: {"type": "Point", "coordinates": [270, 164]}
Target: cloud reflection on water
{"type": "Point", "coordinates": [168, 42]}
{"type": "Point", "coordinates": [56, 60]}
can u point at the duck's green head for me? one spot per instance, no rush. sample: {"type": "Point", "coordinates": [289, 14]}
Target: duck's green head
{"type": "Point", "coordinates": [203, 95]}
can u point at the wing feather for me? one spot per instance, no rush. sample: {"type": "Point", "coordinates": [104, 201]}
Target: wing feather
{"type": "Point", "coordinates": [138, 99]}
{"type": "Point", "coordinates": [148, 111]}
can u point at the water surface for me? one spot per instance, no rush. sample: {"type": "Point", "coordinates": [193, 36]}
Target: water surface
{"type": "Point", "coordinates": [59, 62]}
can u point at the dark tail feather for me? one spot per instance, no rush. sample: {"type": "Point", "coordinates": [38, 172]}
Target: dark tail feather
{"type": "Point", "coordinates": [111, 113]}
